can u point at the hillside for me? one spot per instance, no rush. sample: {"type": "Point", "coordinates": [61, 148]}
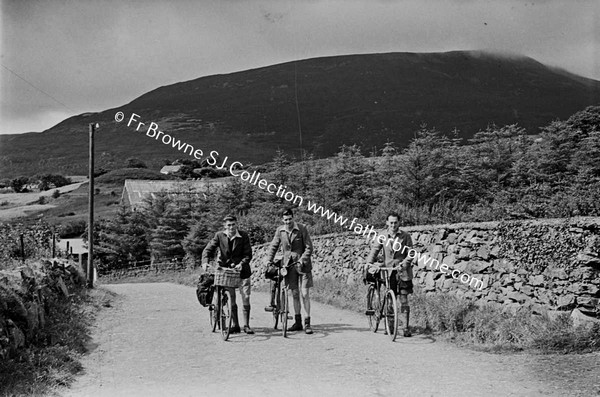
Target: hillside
{"type": "Point", "coordinates": [362, 99]}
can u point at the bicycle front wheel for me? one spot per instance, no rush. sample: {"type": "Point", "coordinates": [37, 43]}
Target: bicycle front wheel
{"type": "Point", "coordinates": [277, 305]}
{"type": "Point", "coordinates": [373, 307]}
{"type": "Point", "coordinates": [226, 314]}
{"type": "Point", "coordinates": [390, 310]}
{"type": "Point", "coordinates": [284, 309]}
{"type": "Point", "coordinates": [214, 311]}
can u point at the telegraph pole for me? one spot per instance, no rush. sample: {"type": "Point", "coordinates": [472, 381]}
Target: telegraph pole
{"type": "Point", "coordinates": [90, 264]}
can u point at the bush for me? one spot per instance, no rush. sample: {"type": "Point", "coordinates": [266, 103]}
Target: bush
{"type": "Point", "coordinates": [73, 229]}
{"type": "Point", "coordinates": [133, 162]}
{"type": "Point", "coordinates": [56, 194]}
{"type": "Point", "coordinates": [37, 241]}
{"type": "Point", "coordinates": [18, 184]}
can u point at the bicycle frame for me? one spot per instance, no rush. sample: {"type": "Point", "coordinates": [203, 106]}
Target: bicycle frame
{"type": "Point", "coordinates": [387, 308]}
{"type": "Point", "coordinates": [222, 308]}
{"type": "Point", "coordinates": [281, 311]}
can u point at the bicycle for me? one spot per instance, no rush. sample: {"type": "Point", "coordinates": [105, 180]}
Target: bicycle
{"type": "Point", "coordinates": [387, 308]}
{"type": "Point", "coordinates": [282, 305]}
{"type": "Point", "coordinates": [220, 314]}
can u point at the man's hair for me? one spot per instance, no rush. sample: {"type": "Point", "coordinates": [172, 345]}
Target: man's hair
{"type": "Point", "coordinates": [230, 218]}
{"type": "Point", "coordinates": [394, 214]}
{"type": "Point", "coordinates": [287, 212]}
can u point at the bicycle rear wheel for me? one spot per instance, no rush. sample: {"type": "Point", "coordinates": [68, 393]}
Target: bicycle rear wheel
{"type": "Point", "coordinates": [212, 311]}
{"type": "Point", "coordinates": [216, 311]}
{"type": "Point", "coordinates": [390, 310]}
{"type": "Point", "coordinates": [226, 317]}
{"type": "Point", "coordinates": [277, 305]}
{"type": "Point", "coordinates": [373, 307]}
{"type": "Point", "coordinates": [284, 309]}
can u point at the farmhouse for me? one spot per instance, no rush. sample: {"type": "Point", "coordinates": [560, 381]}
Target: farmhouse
{"type": "Point", "coordinates": [136, 190]}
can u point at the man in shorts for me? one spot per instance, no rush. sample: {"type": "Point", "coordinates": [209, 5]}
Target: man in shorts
{"type": "Point", "coordinates": [234, 252]}
{"type": "Point", "coordinates": [395, 254]}
{"type": "Point", "coordinates": [296, 246]}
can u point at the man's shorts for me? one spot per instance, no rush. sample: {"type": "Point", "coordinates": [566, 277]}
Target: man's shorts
{"type": "Point", "coordinates": [405, 287]}
{"type": "Point", "coordinates": [293, 279]}
{"type": "Point", "coordinates": [396, 284]}
{"type": "Point", "coordinates": [245, 288]}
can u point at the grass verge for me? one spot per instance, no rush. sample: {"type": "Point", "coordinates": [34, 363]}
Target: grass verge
{"type": "Point", "coordinates": [52, 360]}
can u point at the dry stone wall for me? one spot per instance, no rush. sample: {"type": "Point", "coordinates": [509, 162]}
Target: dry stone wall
{"type": "Point", "coordinates": [551, 264]}
{"type": "Point", "coordinates": [26, 296]}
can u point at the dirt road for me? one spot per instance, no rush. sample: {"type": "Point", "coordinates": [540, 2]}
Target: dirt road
{"type": "Point", "coordinates": [156, 341]}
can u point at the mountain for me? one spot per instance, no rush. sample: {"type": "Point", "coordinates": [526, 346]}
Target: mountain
{"type": "Point", "coordinates": [317, 104]}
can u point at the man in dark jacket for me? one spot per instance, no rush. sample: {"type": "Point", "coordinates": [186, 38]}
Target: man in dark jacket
{"type": "Point", "coordinates": [296, 246]}
{"type": "Point", "coordinates": [234, 251]}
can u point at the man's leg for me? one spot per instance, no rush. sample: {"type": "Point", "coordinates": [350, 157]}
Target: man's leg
{"type": "Point", "coordinates": [245, 294]}
{"type": "Point", "coordinates": [235, 328]}
{"type": "Point", "coordinates": [305, 284]}
{"type": "Point", "coordinates": [306, 304]}
{"type": "Point", "coordinates": [293, 284]}
{"type": "Point", "coordinates": [405, 308]}
{"type": "Point", "coordinates": [272, 305]}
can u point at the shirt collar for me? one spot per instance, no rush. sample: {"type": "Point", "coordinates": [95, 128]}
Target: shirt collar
{"type": "Point", "coordinates": [294, 227]}
{"type": "Point", "coordinates": [236, 235]}
{"type": "Point", "coordinates": [398, 233]}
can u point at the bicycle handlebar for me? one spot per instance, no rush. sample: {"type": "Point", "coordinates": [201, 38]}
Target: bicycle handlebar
{"type": "Point", "coordinates": [221, 268]}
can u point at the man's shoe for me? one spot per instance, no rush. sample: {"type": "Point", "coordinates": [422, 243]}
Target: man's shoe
{"type": "Point", "coordinates": [235, 329]}
{"type": "Point", "coordinates": [269, 308]}
{"type": "Point", "coordinates": [248, 330]}
{"type": "Point", "coordinates": [307, 329]}
{"type": "Point", "coordinates": [407, 333]}
{"type": "Point", "coordinates": [296, 327]}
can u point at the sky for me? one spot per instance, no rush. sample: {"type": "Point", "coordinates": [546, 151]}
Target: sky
{"type": "Point", "coordinates": [61, 58]}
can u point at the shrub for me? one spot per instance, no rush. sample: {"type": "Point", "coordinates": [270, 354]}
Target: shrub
{"type": "Point", "coordinates": [73, 229]}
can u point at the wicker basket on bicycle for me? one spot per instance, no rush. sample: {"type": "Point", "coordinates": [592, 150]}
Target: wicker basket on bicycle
{"type": "Point", "coordinates": [226, 277]}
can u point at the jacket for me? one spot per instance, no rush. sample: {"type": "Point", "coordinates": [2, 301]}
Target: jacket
{"type": "Point", "coordinates": [393, 257]}
{"type": "Point", "coordinates": [297, 247]}
{"type": "Point", "coordinates": [240, 253]}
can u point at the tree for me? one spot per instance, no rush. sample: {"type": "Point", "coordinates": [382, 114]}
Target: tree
{"type": "Point", "coordinates": [167, 238]}
{"type": "Point", "coordinates": [122, 238]}
{"type": "Point", "coordinates": [18, 184]}
{"type": "Point", "coordinates": [133, 162]}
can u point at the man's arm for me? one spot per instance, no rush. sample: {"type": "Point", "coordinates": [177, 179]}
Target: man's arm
{"type": "Point", "coordinates": [407, 243]}
{"type": "Point", "coordinates": [274, 246]}
{"type": "Point", "coordinates": [372, 257]}
{"type": "Point", "coordinates": [308, 245]}
{"type": "Point", "coordinates": [209, 250]}
{"type": "Point", "coordinates": [247, 249]}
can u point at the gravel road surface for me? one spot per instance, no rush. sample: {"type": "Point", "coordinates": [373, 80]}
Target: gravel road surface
{"type": "Point", "coordinates": [155, 341]}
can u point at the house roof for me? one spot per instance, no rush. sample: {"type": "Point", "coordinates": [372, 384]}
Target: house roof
{"type": "Point", "coordinates": [135, 190]}
{"type": "Point", "coordinates": [169, 169]}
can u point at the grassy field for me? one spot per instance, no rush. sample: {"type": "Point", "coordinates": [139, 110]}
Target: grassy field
{"type": "Point", "coordinates": [71, 205]}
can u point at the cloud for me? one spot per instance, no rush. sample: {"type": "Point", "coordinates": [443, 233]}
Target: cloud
{"type": "Point", "coordinates": [92, 55]}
